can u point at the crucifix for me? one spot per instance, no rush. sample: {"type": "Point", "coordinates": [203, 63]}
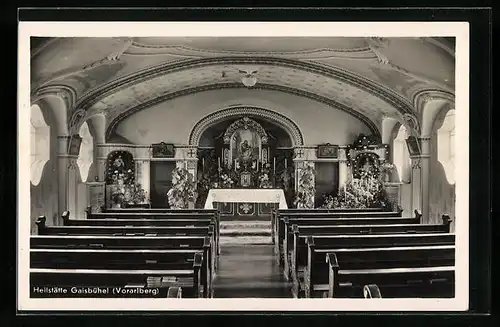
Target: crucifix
{"type": "Point", "coordinates": [300, 153]}
{"type": "Point", "coordinates": [191, 153]}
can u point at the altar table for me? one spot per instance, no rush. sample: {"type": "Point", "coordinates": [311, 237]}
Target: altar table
{"type": "Point", "coordinates": [246, 196]}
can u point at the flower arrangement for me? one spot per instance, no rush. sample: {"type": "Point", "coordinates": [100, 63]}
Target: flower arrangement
{"type": "Point", "coordinates": [306, 189]}
{"type": "Point", "coordinates": [264, 181]}
{"type": "Point", "coordinates": [226, 181]}
{"type": "Point", "coordinates": [364, 192]}
{"type": "Point", "coordinates": [183, 192]}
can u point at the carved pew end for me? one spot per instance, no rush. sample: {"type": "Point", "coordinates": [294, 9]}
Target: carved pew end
{"type": "Point", "coordinates": [371, 291]}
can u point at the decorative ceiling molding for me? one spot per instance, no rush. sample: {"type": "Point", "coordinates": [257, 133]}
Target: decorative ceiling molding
{"type": "Point", "coordinates": [421, 98]}
{"type": "Point", "coordinates": [65, 92]}
{"type": "Point", "coordinates": [237, 111]}
{"type": "Point", "coordinates": [393, 99]}
{"type": "Point", "coordinates": [113, 123]}
{"type": "Point", "coordinates": [141, 49]}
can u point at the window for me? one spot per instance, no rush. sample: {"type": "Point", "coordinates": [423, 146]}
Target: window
{"type": "Point", "coordinates": [86, 155]}
{"type": "Point", "coordinates": [401, 156]}
{"type": "Point", "coordinates": [39, 144]}
{"type": "Point", "coordinates": [446, 146]}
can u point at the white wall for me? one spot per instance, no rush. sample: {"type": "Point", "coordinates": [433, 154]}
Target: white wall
{"type": "Point", "coordinates": [173, 121]}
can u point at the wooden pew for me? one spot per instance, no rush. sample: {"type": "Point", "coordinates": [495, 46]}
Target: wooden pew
{"type": "Point", "coordinates": [343, 271]}
{"type": "Point", "coordinates": [286, 242]}
{"type": "Point", "coordinates": [298, 256]}
{"type": "Point", "coordinates": [154, 210]}
{"type": "Point", "coordinates": [155, 214]}
{"type": "Point", "coordinates": [184, 263]}
{"type": "Point", "coordinates": [175, 243]}
{"type": "Point", "coordinates": [442, 287]}
{"type": "Point", "coordinates": [313, 214]}
{"type": "Point", "coordinates": [138, 280]}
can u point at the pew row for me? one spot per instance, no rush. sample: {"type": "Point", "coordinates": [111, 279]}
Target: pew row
{"type": "Point", "coordinates": [283, 216]}
{"type": "Point", "coordinates": [111, 283]}
{"type": "Point", "coordinates": [155, 214]}
{"type": "Point", "coordinates": [127, 230]}
{"type": "Point", "coordinates": [343, 272]}
{"type": "Point", "coordinates": [286, 234]}
{"type": "Point", "coordinates": [174, 244]}
{"type": "Point", "coordinates": [183, 267]}
{"type": "Point", "coordinates": [296, 248]}
{"type": "Point", "coordinates": [202, 243]}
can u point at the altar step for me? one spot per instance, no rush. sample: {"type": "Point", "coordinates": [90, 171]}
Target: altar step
{"type": "Point", "coordinates": [233, 218]}
{"type": "Point", "coordinates": [245, 232]}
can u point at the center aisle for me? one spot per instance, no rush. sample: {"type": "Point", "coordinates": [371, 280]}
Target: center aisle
{"type": "Point", "coordinates": [251, 271]}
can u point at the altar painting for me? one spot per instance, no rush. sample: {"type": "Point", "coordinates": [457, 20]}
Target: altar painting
{"type": "Point", "coordinates": [245, 146]}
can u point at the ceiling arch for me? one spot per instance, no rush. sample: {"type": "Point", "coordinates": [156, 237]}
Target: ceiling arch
{"type": "Point", "coordinates": [339, 85]}
{"type": "Point", "coordinates": [284, 122]}
{"type": "Point", "coordinates": [116, 120]}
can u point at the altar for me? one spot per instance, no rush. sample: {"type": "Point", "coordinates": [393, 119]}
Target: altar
{"type": "Point", "coordinates": [245, 202]}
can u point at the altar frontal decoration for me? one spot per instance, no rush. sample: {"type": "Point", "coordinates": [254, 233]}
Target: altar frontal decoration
{"type": "Point", "coordinates": [183, 193]}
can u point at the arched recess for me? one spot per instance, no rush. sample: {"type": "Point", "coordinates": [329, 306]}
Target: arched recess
{"type": "Point", "coordinates": [400, 155]}
{"type": "Point", "coordinates": [39, 144]}
{"type": "Point", "coordinates": [86, 155]}
{"type": "Point", "coordinates": [446, 144]}
{"type": "Point", "coordinates": [284, 122]}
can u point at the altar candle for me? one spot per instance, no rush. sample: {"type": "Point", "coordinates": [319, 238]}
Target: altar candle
{"type": "Point", "coordinates": [234, 164]}
{"type": "Point", "coordinates": [218, 162]}
{"type": "Point", "coordinates": [274, 165]}
{"type": "Point", "coordinates": [285, 164]}
{"type": "Point", "coordinates": [203, 164]}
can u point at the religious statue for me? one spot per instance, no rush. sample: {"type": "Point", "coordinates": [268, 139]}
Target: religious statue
{"type": "Point", "coordinates": [246, 150]}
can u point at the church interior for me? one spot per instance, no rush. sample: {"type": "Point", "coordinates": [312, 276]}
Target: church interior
{"type": "Point", "coordinates": [240, 167]}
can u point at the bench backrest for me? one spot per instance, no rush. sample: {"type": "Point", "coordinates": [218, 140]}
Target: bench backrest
{"type": "Point", "coordinates": [349, 217]}
{"type": "Point", "coordinates": [121, 230]}
{"type": "Point", "coordinates": [355, 266]}
{"type": "Point", "coordinates": [150, 215]}
{"type": "Point", "coordinates": [300, 250]}
{"type": "Point", "coordinates": [139, 222]}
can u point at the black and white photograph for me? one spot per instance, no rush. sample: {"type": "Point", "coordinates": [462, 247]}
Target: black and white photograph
{"type": "Point", "coordinates": [243, 166]}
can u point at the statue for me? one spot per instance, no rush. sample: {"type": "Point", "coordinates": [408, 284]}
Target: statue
{"type": "Point", "coordinates": [246, 150]}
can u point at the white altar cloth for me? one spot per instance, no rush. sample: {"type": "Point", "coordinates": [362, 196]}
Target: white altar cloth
{"type": "Point", "coordinates": [231, 195]}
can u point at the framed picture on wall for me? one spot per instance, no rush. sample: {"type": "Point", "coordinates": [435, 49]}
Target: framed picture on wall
{"type": "Point", "coordinates": [163, 150]}
{"type": "Point", "coordinates": [328, 151]}
{"type": "Point", "coordinates": [74, 145]}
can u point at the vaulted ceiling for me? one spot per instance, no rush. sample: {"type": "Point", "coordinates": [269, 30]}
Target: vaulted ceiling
{"type": "Point", "coordinates": [370, 78]}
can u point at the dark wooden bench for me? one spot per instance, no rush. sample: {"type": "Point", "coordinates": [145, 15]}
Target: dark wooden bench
{"type": "Point", "coordinates": [314, 215]}
{"type": "Point", "coordinates": [298, 255]}
{"type": "Point", "coordinates": [176, 261]}
{"type": "Point", "coordinates": [133, 283]}
{"type": "Point", "coordinates": [342, 272]}
{"type": "Point", "coordinates": [159, 214]}
{"type": "Point", "coordinates": [99, 242]}
{"type": "Point", "coordinates": [126, 230]}
{"type": "Point", "coordinates": [288, 232]}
